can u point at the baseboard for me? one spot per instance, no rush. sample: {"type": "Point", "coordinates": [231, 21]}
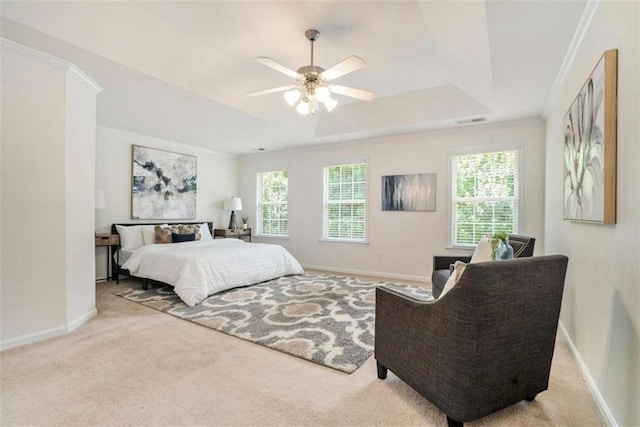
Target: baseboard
{"type": "Point", "coordinates": [31, 338]}
{"type": "Point", "coordinates": [602, 405]}
{"type": "Point", "coordinates": [72, 326]}
{"type": "Point", "coordinates": [368, 273]}
{"type": "Point", "coordinates": [48, 334]}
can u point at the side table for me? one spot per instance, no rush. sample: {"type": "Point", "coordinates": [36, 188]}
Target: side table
{"type": "Point", "coordinates": [112, 242]}
{"type": "Point", "coordinates": [236, 232]}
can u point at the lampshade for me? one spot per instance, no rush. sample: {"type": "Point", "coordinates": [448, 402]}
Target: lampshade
{"type": "Point", "coordinates": [292, 96]}
{"type": "Point", "coordinates": [330, 104]}
{"type": "Point", "coordinates": [303, 108]}
{"type": "Point", "coordinates": [99, 199]}
{"type": "Point", "coordinates": [313, 103]}
{"type": "Point", "coordinates": [233, 204]}
{"type": "Point", "coordinates": [323, 93]}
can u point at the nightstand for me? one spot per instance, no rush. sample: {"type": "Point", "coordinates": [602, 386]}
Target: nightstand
{"type": "Point", "coordinates": [236, 232]}
{"type": "Point", "coordinates": [112, 242]}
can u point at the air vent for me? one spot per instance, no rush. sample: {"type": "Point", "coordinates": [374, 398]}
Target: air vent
{"type": "Point", "coordinates": [473, 120]}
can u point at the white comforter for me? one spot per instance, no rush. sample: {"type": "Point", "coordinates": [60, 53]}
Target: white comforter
{"type": "Point", "coordinates": [201, 268]}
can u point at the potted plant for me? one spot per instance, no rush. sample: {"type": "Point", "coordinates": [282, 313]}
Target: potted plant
{"type": "Point", "coordinates": [245, 222]}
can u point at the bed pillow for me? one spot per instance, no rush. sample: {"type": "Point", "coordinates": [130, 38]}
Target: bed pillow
{"type": "Point", "coordinates": [130, 237]}
{"type": "Point", "coordinates": [482, 252]}
{"type": "Point", "coordinates": [205, 233]}
{"type": "Point", "coordinates": [163, 234]}
{"type": "Point", "coordinates": [149, 233]}
{"type": "Point", "coordinates": [177, 238]}
{"type": "Point", "coordinates": [458, 269]}
{"type": "Point", "coordinates": [190, 229]}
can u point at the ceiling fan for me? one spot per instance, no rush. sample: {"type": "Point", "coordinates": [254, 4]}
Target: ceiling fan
{"type": "Point", "coordinates": [313, 83]}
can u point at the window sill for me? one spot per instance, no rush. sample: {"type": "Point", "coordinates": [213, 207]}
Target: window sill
{"type": "Point", "coordinates": [461, 248]}
{"type": "Point", "coordinates": [342, 242]}
{"type": "Point", "coordinates": [269, 236]}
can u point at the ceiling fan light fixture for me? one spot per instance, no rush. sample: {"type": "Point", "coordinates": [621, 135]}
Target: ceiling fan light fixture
{"type": "Point", "coordinates": [323, 93]}
{"type": "Point", "coordinates": [330, 104]}
{"type": "Point", "coordinates": [303, 107]}
{"type": "Point", "coordinates": [314, 84]}
{"type": "Point", "coordinates": [292, 96]}
{"type": "Point", "coordinates": [313, 103]}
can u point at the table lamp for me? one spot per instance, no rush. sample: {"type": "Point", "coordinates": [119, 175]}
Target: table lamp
{"type": "Point", "coordinates": [233, 204]}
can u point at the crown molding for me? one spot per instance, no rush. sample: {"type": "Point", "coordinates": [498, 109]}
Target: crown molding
{"type": "Point", "coordinates": [50, 60]}
{"type": "Point", "coordinates": [84, 78]}
{"type": "Point", "coordinates": [578, 37]}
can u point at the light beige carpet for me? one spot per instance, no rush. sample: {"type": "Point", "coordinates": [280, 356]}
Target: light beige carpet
{"type": "Point", "coordinates": [132, 365]}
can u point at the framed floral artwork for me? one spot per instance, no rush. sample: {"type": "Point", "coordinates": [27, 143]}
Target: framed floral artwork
{"type": "Point", "coordinates": [590, 146]}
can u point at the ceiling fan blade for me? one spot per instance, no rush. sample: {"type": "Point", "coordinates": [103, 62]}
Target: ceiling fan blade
{"type": "Point", "coordinates": [272, 90]}
{"type": "Point", "coordinates": [365, 95]}
{"type": "Point", "coordinates": [278, 67]}
{"type": "Point", "coordinates": [347, 66]}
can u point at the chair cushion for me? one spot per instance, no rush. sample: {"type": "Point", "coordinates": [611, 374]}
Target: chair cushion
{"type": "Point", "coordinates": [482, 253]}
{"type": "Point", "coordinates": [439, 279]}
{"type": "Point", "coordinates": [458, 269]}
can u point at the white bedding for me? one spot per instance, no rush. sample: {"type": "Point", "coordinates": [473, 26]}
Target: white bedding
{"type": "Point", "coordinates": [201, 268]}
{"type": "Point", "coordinates": [123, 256]}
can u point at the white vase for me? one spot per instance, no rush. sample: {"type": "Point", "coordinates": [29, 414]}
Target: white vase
{"type": "Point", "coordinates": [245, 226]}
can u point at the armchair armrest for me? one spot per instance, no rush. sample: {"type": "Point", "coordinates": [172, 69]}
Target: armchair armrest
{"type": "Point", "coordinates": [408, 329]}
{"type": "Point", "coordinates": [414, 294]}
{"type": "Point", "coordinates": [443, 262]}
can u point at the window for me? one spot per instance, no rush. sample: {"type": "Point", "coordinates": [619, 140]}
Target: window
{"type": "Point", "coordinates": [272, 203]}
{"type": "Point", "coordinates": [484, 190]}
{"type": "Point", "coordinates": [345, 202]}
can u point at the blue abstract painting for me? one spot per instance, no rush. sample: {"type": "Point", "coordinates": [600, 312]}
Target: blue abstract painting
{"type": "Point", "coordinates": [415, 192]}
{"type": "Point", "coordinates": [163, 184]}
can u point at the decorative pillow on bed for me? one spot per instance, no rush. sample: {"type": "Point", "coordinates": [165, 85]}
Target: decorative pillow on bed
{"type": "Point", "coordinates": [190, 229]}
{"type": "Point", "coordinates": [163, 234]}
{"type": "Point", "coordinates": [177, 238]}
{"type": "Point", "coordinates": [130, 237]}
{"type": "Point", "coordinates": [205, 233]}
{"type": "Point", "coordinates": [149, 233]}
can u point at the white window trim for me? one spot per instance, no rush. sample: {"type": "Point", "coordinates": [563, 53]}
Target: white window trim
{"type": "Point", "coordinates": [344, 241]}
{"type": "Point", "coordinates": [342, 162]}
{"type": "Point", "coordinates": [477, 149]}
{"type": "Point", "coordinates": [272, 236]}
{"type": "Point", "coordinates": [258, 213]}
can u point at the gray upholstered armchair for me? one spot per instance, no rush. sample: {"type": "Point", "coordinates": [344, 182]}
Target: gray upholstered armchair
{"type": "Point", "coordinates": [485, 345]}
{"type": "Point", "coordinates": [522, 247]}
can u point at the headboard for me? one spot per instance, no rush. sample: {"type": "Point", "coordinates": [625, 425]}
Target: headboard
{"type": "Point", "coordinates": [114, 230]}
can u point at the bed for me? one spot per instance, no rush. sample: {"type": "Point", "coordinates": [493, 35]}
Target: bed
{"type": "Point", "coordinates": [197, 269]}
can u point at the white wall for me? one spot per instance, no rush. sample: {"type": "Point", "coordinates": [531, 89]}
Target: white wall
{"type": "Point", "coordinates": [80, 152]}
{"type": "Point", "coordinates": [406, 241]}
{"type": "Point", "coordinates": [48, 135]}
{"type": "Point", "coordinates": [217, 180]}
{"type": "Point", "coordinates": [601, 306]}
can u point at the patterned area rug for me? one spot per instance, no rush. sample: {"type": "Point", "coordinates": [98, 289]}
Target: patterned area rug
{"type": "Point", "coordinates": [326, 319]}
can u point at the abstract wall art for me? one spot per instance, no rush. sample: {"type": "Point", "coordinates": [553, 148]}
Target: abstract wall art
{"type": "Point", "coordinates": [590, 147]}
{"type": "Point", "coordinates": [163, 184]}
{"type": "Point", "coordinates": [415, 192]}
